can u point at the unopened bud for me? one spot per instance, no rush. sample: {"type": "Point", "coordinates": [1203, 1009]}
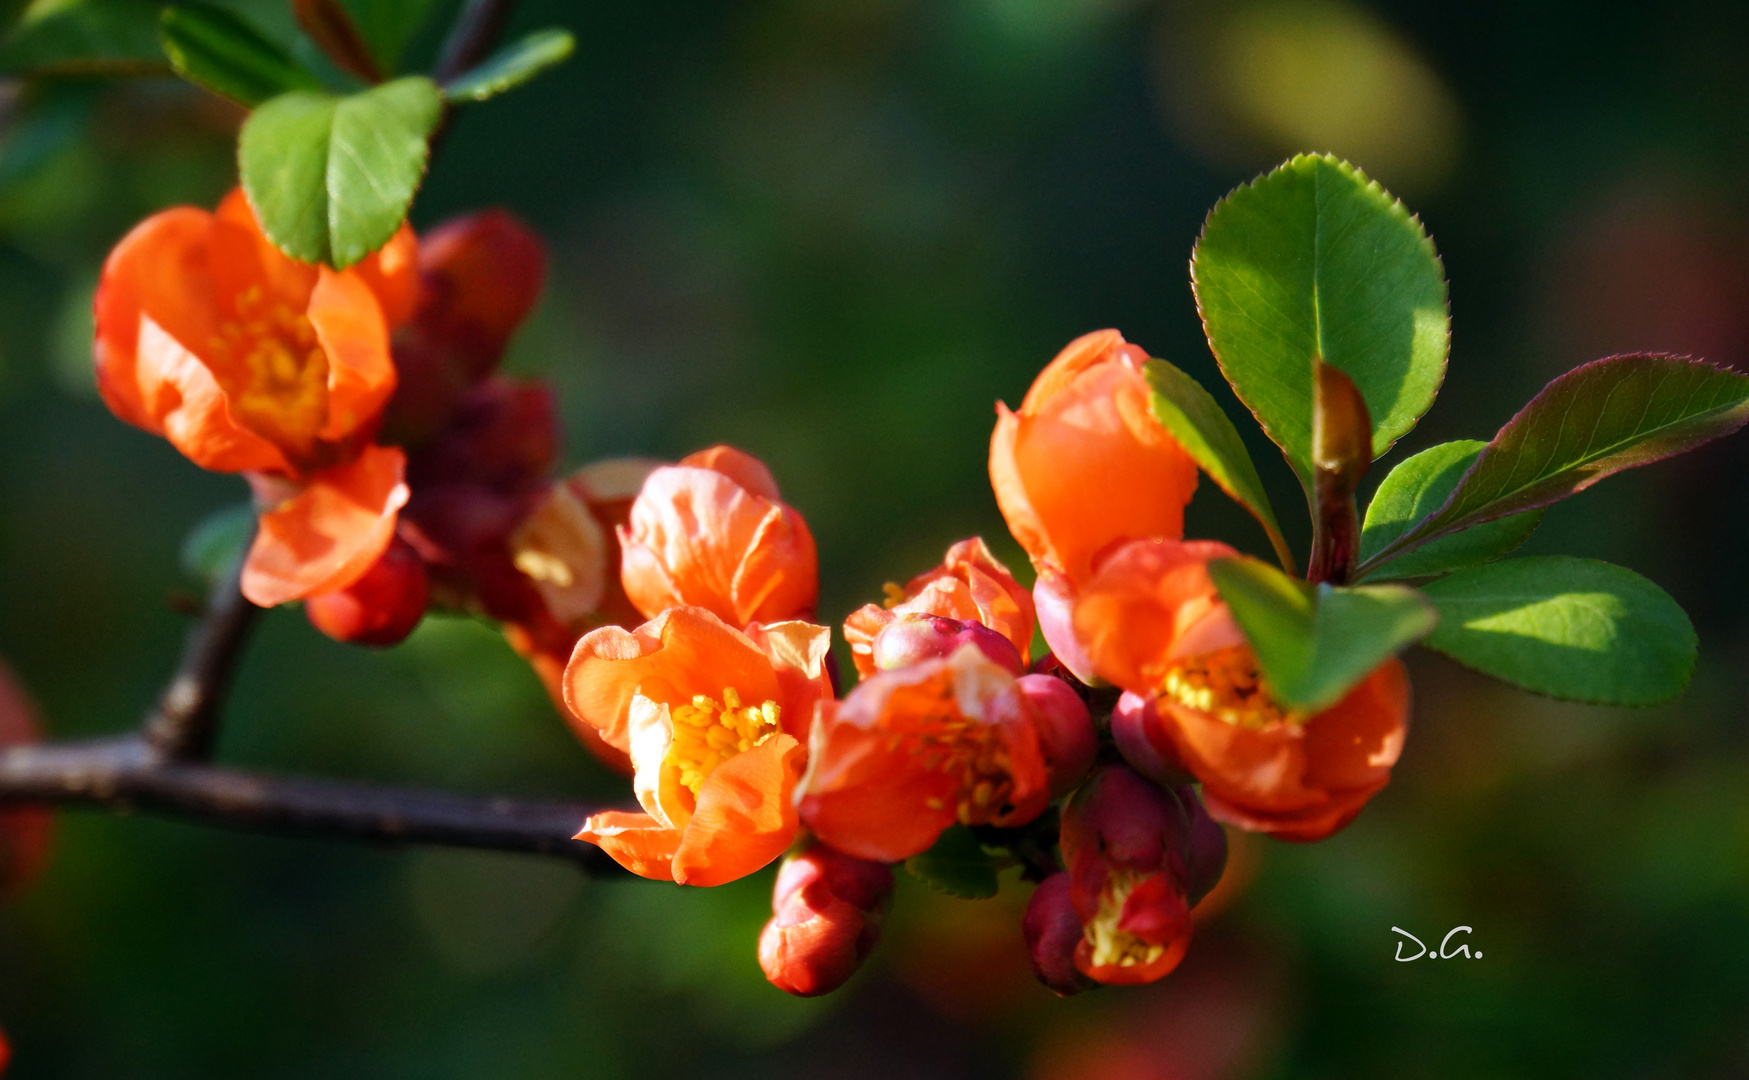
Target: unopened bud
{"type": "Point", "coordinates": [827, 912]}
{"type": "Point", "coordinates": [916, 639]}
{"type": "Point", "coordinates": [1205, 859]}
{"type": "Point", "coordinates": [382, 607]}
{"type": "Point", "coordinates": [1065, 730]}
{"type": "Point", "coordinates": [1131, 720]}
{"type": "Point", "coordinates": [1053, 932]}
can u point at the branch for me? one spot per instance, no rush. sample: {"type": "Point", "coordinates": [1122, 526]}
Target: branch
{"type": "Point", "coordinates": [185, 722]}
{"type": "Point", "coordinates": [476, 30]}
{"type": "Point", "coordinates": [129, 773]}
{"type": "Point", "coordinates": [470, 40]}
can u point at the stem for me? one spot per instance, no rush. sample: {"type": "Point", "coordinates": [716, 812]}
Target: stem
{"type": "Point", "coordinates": [475, 32]}
{"type": "Point", "coordinates": [129, 773]}
{"type": "Point", "coordinates": [185, 723]}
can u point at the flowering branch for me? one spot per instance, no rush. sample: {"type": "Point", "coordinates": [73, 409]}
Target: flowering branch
{"type": "Point", "coordinates": [131, 773]}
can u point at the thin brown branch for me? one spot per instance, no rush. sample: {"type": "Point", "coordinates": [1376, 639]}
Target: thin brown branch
{"type": "Point", "coordinates": [130, 774]}
{"type": "Point", "coordinates": [185, 722]}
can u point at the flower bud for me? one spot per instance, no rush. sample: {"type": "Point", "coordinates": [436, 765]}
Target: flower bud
{"type": "Point", "coordinates": [1130, 721]}
{"type": "Point", "coordinates": [1065, 729]}
{"type": "Point", "coordinates": [1053, 933]}
{"type": "Point", "coordinates": [502, 433]}
{"type": "Point", "coordinates": [382, 607]}
{"type": "Point", "coordinates": [1125, 841]}
{"type": "Point", "coordinates": [914, 640]}
{"type": "Point", "coordinates": [25, 831]}
{"type": "Point", "coordinates": [827, 916]}
{"type": "Point", "coordinates": [1206, 857]}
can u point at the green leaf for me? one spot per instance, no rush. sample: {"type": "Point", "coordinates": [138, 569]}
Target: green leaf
{"type": "Point", "coordinates": [77, 37]}
{"type": "Point", "coordinates": [1199, 425]}
{"type": "Point", "coordinates": [217, 51]}
{"type": "Point", "coordinates": [1416, 488]}
{"type": "Point", "coordinates": [1313, 643]}
{"type": "Point", "coordinates": [513, 66]}
{"type": "Point", "coordinates": [331, 178]}
{"type": "Point", "coordinates": [1611, 414]}
{"type": "Point", "coordinates": [214, 546]}
{"type": "Point", "coordinates": [957, 865]}
{"type": "Point", "coordinates": [1570, 628]}
{"type": "Point", "coordinates": [1315, 260]}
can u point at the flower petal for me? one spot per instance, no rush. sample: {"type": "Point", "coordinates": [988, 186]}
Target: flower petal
{"type": "Point", "coordinates": [361, 376]}
{"type": "Point", "coordinates": [326, 537]}
{"type": "Point", "coordinates": [745, 816]}
{"type": "Point", "coordinates": [683, 651]}
{"type": "Point", "coordinates": [635, 841]}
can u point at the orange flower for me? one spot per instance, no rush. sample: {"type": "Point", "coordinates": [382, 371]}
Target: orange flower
{"type": "Point", "coordinates": [563, 557]}
{"type": "Point", "coordinates": [969, 585]}
{"type": "Point", "coordinates": [913, 750]}
{"type": "Point", "coordinates": [1084, 463]}
{"type": "Point", "coordinates": [713, 720]}
{"type": "Point", "coordinates": [245, 359]}
{"type": "Point", "coordinates": [1153, 623]}
{"type": "Point", "coordinates": [249, 361]}
{"type": "Point", "coordinates": [711, 532]}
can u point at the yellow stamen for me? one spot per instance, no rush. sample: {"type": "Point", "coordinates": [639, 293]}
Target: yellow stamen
{"type": "Point", "coordinates": [1111, 944]}
{"type": "Point", "coordinates": [895, 595]}
{"type": "Point", "coordinates": [708, 732]}
{"type": "Point", "coordinates": [1224, 684]}
{"type": "Point", "coordinates": [272, 368]}
{"type": "Point", "coordinates": [969, 751]}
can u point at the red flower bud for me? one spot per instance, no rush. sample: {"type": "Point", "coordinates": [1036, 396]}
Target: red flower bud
{"type": "Point", "coordinates": [916, 639]}
{"type": "Point", "coordinates": [1129, 730]}
{"type": "Point", "coordinates": [382, 607]}
{"type": "Point", "coordinates": [479, 278]}
{"type": "Point", "coordinates": [1206, 857]}
{"type": "Point", "coordinates": [5, 1052]}
{"type": "Point", "coordinates": [827, 916]}
{"type": "Point", "coordinates": [503, 433]}
{"type": "Point", "coordinates": [1125, 841]}
{"type": "Point", "coordinates": [1053, 934]}
{"type": "Point", "coordinates": [25, 831]}
{"type": "Point", "coordinates": [1065, 730]}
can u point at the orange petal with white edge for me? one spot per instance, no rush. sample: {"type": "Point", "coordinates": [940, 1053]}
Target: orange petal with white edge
{"type": "Point", "coordinates": [326, 536]}
{"type": "Point", "coordinates": [745, 816]}
{"type": "Point", "coordinates": [636, 841]}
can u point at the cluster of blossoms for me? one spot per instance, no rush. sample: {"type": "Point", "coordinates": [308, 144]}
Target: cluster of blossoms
{"type": "Point", "coordinates": [671, 607]}
{"type": "Point", "coordinates": [724, 704]}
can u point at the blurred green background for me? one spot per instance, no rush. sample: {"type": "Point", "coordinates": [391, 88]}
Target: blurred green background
{"type": "Point", "coordinates": [833, 232]}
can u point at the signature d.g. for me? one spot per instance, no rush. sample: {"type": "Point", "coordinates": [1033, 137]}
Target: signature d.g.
{"type": "Point", "coordinates": [1446, 950]}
